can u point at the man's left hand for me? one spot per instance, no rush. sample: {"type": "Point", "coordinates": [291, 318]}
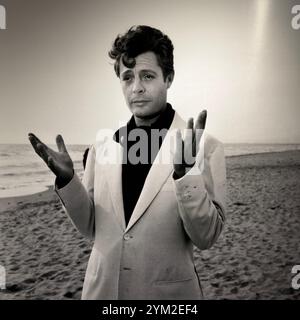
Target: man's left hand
{"type": "Point", "coordinates": [187, 149]}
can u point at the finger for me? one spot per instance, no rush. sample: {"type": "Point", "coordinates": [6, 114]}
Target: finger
{"type": "Point", "coordinates": [61, 144]}
{"type": "Point", "coordinates": [36, 144]}
{"type": "Point", "coordinates": [190, 123]}
{"type": "Point", "coordinates": [189, 141]}
{"type": "Point", "coordinates": [34, 141]}
{"type": "Point", "coordinates": [201, 120]}
{"type": "Point", "coordinates": [34, 137]}
{"type": "Point", "coordinates": [179, 147]}
{"type": "Point", "coordinates": [199, 128]}
{"type": "Point", "coordinates": [42, 151]}
{"type": "Point", "coordinates": [189, 132]}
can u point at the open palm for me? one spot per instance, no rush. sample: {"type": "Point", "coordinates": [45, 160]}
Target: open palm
{"type": "Point", "coordinates": [59, 161]}
{"type": "Point", "coordinates": [187, 148]}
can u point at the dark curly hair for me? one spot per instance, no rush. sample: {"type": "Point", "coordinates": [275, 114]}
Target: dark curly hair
{"type": "Point", "coordinates": [140, 39]}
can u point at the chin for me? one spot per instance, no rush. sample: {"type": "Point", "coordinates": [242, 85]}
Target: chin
{"type": "Point", "coordinates": [140, 113]}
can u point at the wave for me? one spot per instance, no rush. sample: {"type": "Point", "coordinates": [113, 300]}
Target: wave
{"type": "Point", "coordinates": [24, 172]}
{"type": "Point", "coordinates": [8, 174]}
{"type": "Point", "coordinates": [30, 168]}
{"type": "Point", "coordinates": [29, 173]}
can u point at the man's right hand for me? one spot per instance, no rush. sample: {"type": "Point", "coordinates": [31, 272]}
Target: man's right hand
{"type": "Point", "coordinates": [60, 163]}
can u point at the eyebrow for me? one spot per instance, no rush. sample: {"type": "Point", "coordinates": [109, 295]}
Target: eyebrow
{"type": "Point", "coordinates": [141, 71]}
{"type": "Point", "coordinates": [148, 70]}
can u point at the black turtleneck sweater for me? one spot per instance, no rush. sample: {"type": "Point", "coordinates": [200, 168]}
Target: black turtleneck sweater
{"type": "Point", "coordinates": [134, 175]}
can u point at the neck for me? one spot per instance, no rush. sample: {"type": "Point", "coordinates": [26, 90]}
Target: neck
{"type": "Point", "coordinates": [148, 120]}
{"type": "Point", "coordinates": [144, 121]}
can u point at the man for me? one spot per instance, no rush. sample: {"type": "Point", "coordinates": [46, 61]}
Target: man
{"type": "Point", "coordinates": [144, 216]}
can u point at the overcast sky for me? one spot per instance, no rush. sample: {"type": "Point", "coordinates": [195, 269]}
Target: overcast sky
{"type": "Point", "coordinates": [238, 59]}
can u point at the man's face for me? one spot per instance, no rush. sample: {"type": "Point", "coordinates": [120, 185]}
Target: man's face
{"type": "Point", "coordinates": [143, 86]}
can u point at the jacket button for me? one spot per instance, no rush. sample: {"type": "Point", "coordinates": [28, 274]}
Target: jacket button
{"type": "Point", "coordinates": [126, 236]}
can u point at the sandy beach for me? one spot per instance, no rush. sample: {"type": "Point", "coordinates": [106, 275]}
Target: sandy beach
{"type": "Point", "coordinates": [46, 258]}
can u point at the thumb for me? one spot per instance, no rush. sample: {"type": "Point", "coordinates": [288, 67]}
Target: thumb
{"type": "Point", "coordinates": [61, 144]}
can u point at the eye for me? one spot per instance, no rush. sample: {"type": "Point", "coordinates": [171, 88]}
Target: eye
{"type": "Point", "coordinates": [127, 78]}
{"type": "Point", "coordinates": [148, 76]}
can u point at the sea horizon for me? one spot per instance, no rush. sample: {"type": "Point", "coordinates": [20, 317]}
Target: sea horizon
{"type": "Point", "coordinates": [22, 172]}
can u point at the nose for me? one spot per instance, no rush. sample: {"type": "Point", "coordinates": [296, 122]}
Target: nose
{"type": "Point", "coordinates": [138, 87]}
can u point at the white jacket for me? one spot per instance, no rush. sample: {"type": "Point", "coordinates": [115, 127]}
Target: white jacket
{"type": "Point", "coordinates": [151, 258]}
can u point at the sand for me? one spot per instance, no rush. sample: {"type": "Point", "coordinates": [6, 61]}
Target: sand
{"type": "Point", "coordinates": [46, 258]}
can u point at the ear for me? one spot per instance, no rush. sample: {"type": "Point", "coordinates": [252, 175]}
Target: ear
{"type": "Point", "coordinates": [169, 79]}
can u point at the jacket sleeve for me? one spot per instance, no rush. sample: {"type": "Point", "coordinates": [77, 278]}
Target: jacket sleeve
{"type": "Point", "coordinates": [201, 198]}
{"type": "Point", "coordinates": [77, 198]}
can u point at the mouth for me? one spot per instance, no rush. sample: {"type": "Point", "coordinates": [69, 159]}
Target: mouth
{"type": "Point", "coordinates": [140, 102]}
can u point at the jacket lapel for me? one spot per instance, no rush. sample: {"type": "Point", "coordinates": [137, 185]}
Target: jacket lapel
{"type": "Point", "coordinates": [159, 172]}
{"type": "Point", "coordinates": [113, 173]}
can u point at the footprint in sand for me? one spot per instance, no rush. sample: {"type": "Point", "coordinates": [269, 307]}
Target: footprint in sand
{"type": "Point", "coordinates": [14, 288]}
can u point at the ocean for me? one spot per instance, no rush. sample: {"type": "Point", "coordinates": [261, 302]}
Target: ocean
{"type": "Point", "coordinates": [22, 172]}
